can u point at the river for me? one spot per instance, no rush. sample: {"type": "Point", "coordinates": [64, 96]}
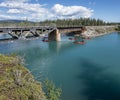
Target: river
{"type": "Point", "coordinates": [84, 72]}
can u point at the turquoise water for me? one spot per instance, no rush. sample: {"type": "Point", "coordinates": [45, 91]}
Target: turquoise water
{"type": "Point", "coordinates": [84, 72]}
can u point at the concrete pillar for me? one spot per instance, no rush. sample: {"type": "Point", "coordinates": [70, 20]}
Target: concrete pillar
{"type": "Point", "coordinates": [58, 37]}
{"type": "Point", "coordinates": [54, 35]}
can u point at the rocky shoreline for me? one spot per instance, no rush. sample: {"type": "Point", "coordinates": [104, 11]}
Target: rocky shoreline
{"type": "Point", "coordinates": [95, 31]}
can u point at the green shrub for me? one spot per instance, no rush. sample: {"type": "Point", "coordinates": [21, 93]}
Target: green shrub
{"type": "Point", "coordinates": [52, 93]}
{"type": "Point", "coordinates": [118, 28]}
{"type": "Point", "coordinates": [16, 82]}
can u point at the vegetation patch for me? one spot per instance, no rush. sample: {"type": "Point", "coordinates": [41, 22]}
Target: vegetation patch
{"type": "Point", "coordinates": [118, 28]}
{"type": "Point", "coordinates": [52, 93]}
{"type": "Point", "coordinates": [16, 82]}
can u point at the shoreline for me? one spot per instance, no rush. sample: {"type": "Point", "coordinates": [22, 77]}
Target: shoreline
{"type": "Point", "coordinates": [96, 31]}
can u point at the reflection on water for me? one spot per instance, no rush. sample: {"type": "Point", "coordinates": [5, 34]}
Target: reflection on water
{"type": "Point", "coordinates": [84, 72]}
{"type": "Point", "coordinates": [4, 36]}
{"type": "Point", "coordinates": [100, 84]}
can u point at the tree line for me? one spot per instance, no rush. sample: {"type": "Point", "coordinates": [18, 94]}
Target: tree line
{"type": "Point", "coordinates": [59, 22]}
{"type": "Point", "coordinates": [78, 22]}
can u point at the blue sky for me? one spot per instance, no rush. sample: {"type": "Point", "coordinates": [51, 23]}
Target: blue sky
{"type": "Point", "coordinates": [39, 10]}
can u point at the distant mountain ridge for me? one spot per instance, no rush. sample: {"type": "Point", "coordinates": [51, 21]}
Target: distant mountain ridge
{"type": "Point", "coordinates": [13, 21]}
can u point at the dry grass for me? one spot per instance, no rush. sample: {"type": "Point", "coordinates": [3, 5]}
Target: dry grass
{"type": "Point", "coordinates": [16, 82]}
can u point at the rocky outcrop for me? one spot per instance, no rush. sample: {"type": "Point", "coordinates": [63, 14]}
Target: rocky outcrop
{"type": "Point", "coordinates": [93, 31]}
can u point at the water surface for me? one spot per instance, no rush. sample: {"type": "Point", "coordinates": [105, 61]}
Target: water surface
{"type": "Point", "coordinates": [84, 72]}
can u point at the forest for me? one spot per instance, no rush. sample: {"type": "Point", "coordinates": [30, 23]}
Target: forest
{"type": "Point", "coordinates": [57, 23]}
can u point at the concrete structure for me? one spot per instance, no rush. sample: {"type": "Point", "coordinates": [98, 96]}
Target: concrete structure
{"type": "Point", "coordinates": [54, 35]}
{"type": "Point", "coordinates": [27, 32]}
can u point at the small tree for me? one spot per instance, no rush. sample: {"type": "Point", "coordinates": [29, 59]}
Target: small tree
{"type": "Point", "coordinates": [52, 92]}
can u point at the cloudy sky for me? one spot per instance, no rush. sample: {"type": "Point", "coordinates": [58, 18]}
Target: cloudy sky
{"type": "Point", "coordinates": [39, 10]}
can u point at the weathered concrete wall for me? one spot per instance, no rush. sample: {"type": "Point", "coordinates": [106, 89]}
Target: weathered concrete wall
{"type": "Point", "coordinates": [71, 31]}
{"type": "Point", "coordinates": [58, 36]}
{"type": "Point", "coordinates": [54, 35]}
{"type": "Point", "coordinates": [65, 31]}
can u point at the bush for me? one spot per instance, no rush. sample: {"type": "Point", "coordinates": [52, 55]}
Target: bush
{"type": "Point", "coordinates": [118, 28]}
{"type": "Point", "coordinates": [16, 82]}
{"type": "Point", "coordinates": [52, 93]}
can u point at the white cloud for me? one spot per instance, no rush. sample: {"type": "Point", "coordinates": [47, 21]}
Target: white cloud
{"type": "Point", "coordinates": [16, 1]}
{"type": "Point", "coordinates": [21, 9]}
{"type": "Point", "coordinates": [5, 17]}
{"type": "Point", "coordinates": [71, 11]}
{"type": "Point", "coordinates": [21, 5]}
{"type": "Point", "coordinates": [24, 8]}
{"type": "Point", "coordinates": [14, 11]}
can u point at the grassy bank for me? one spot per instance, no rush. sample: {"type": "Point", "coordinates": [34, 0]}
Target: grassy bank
{"type": "Point", "coordinates": [16, 82]}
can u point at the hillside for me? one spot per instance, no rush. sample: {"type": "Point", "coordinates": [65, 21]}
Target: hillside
{"type": "Point", "coordinates": [16, 82]}
{"type": "Point", "coordinates": [93, 31]}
